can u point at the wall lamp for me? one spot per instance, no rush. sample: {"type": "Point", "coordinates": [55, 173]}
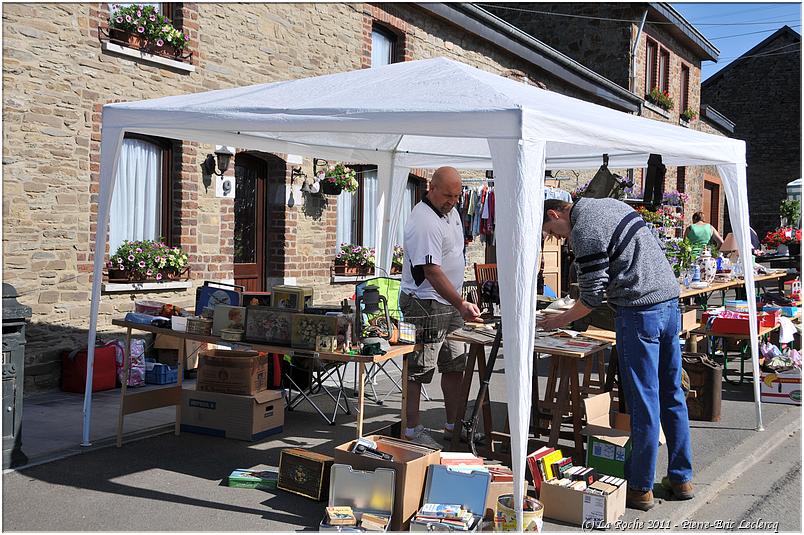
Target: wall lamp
{"type": "Point", "coordinates": [223, 156]}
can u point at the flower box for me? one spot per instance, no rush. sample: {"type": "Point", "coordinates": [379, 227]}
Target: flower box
{"type": "Point", "coordinates": [343, 270]}
{"type": "Point", "coordinates": [330, 188]}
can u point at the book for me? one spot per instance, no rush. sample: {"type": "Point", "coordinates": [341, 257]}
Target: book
{"type": "Point", "coordinates": [245, 478]}
{"type": "Point", "coordinates": [547, 463]}
{"type": "Point", "coordinates": [561, 466]}
{"type": "Point", "coordinates": [453, 458]}
{"type": "Point", "coordinates": [340, 515]}
{"type": "Point", "coordinates": [372, 522]}
{"type": "Point", "coordinates": [500, 473]}
{"type": "Point", "coordinates": [533, 466]}
{"type": "Point", "coordinates": [441, 510]}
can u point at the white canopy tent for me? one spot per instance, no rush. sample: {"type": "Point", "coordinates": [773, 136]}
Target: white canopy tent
{"type": "Point", "coordinates": [426, 114]}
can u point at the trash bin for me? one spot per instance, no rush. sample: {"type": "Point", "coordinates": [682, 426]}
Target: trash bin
{"type": "Point", "coordinates": [14, 316]}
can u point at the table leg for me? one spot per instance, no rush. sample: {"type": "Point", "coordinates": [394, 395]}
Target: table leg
{"type": "Point", "coordinates": [404, 413]}
{"type": "Point", "coordinates": [488, 427]}
{"type": "Point", "coordinates": [562, 401]}
{"type": "Point", "coordinates": [576, 407]}
{"type": "Point", "coordinates": [361, 397]}
{"type": "Point", "coordinates": [126, 369]}
{"type": "Point", "coordinates": [179, 377]}
{"type": "Point", "coordinates": [466, 386]}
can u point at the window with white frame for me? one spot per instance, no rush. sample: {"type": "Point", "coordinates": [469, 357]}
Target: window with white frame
{"type": "Point", "coordinates": [141, 200]}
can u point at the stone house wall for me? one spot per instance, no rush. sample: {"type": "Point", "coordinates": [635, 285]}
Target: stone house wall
{"type": "Point", "coordinates": [57, 77]}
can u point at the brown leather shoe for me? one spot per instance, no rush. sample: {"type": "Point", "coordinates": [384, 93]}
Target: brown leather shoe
{"type": "Point", "coordinates": [637, 499]}
{"type": "Point", "coordinates": [680, 491]}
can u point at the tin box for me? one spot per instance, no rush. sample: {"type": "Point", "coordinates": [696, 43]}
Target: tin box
{"type": "Point", "coordinates": [363, 490]}
{"type": "Point", "coordinates": [447, 485]}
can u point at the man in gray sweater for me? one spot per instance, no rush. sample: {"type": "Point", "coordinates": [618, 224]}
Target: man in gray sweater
{"type": "Point", "coordinates": [619, 260]}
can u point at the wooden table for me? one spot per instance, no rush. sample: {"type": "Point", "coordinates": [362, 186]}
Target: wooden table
{"type": "Point", "coordinates": [761, 333]}
{"type": "Point", "coordinates": [171, 395]}
{"type": "Point", "coordinates": [723, 286]}
{"type": "Point", "coordinates": [563, 392]}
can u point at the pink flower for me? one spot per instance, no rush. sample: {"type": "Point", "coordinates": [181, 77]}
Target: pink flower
{"type": "Point", "coordinates": [158, 258]}
{"type": "Point", "coordinates": [131, 258]}
{"type": "Point", "coordinates": [140, 29]}
{"type": "Point", "coordinates": [119, 20]}
{"type": "Point", "coordinates": [109, 264]}
{"type": "Point", "coordinates": [139, 13]}
{"type": "Point", "coordinates": [128, 18]}
{"type": "Point", "coordinates": [159, 276]}
{"type": "Point", "coordinates": [139, 249]}
{"type": "Point", "coordinates": [159, 42]}
{"type": "Point", "coordinates": [149, 272]}
{"type": "Point", "coordinates": [141, 263]}
{"type": "Point", "coordinates": [119, 260]}
{"type": "Point", "coordinates": [152, 18]}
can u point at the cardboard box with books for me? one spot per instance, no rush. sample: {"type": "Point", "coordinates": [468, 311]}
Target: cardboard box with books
{"type": "Point", "coordinates": [359, 500]}
{"type": "Point", "coordinates": [231, 416]}
{"type": "Point", "coordinates": [608, 446]}
{"type": "Point", "coordinates": [454, 500]}
{"type": "Point", "coordinates": [409, 461]}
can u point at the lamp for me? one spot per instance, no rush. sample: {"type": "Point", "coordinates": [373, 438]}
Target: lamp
{"type": "Point", "coordinates": [368, 314]}
{"type": "Point", "coordinates": [729, 245]}
{"type": "Point", "coordinates": [223, 156]}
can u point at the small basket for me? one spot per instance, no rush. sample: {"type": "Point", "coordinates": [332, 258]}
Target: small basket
{"type": "Point", "coordinates": [199, 326]}
{"type": "Point", "coordinates": [427, 327]}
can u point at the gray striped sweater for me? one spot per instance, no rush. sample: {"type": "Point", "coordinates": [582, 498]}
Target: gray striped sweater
{"type": "Point", "coordinates": [617, 257]}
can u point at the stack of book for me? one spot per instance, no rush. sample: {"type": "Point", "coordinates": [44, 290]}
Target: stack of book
{"type": "Point", "coordinates": [372, 522]}
{"type": "Point", "coordinates": [546, 464]}
{"type": "Point", "coordinates": [605, 485]}
{"type": "Point", "coordinates": [452, 515]}
{"type": "Point", "coordinates": [341, 515]}
{"type": "Point", "coordinates": [500, 473]}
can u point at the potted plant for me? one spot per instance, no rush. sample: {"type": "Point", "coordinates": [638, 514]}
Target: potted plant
{"type": "Point", "coordinates": [660, 98]}
{"type": "Point", "coordinates": [354, 260]}
{"type": "Point", "coordinates": [688, 115]}
{"type": "Point", "coordinates": [338, 178]}
{"type": "Point", "coordinates": [141, 26]}
{"type": "Point", "coordinates": [147, 260]}
{"type": "Point", "coordinates": [398, 259]}
{"type": "Point", "coordinates": [786, 240]}
{"type": "Point", "coordinates": [790, 212]}
{"type": "Point", "coordinates": [679, 254]}
{"type": "Point", "coordinates": [675, 198]}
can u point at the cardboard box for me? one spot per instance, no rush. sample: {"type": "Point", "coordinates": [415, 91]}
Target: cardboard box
{"type": "Point", "coordinates": [232, 372]}
{"type": "Point", "coordinates": [689, 318]}
{"type": "Point", "coordinates": [579, 508]}
{"type": "Point", "coordinates": [232, 416]}
{"type": "Point", "coordinates": [607, 445]}
{"type": "Point", "coordinates": [784, 387]}
{"type": "Point", "coordinates": [410, 463]}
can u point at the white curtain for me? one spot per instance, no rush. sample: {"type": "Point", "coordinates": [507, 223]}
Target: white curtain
{"type": "Point", "coordinates": [369, 187]}
{"type": "Point", "coordinates": [136, 210]}
{"type": "Point", "coordinates": [381, 48]}
{"type": "Point", "coordinates": [407, 206]}
{"type": "Point", "coordinates": [344, 232]}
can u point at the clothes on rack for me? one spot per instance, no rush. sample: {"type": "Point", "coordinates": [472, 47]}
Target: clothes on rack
{"type": "Point", "coordinates": [476, 207]}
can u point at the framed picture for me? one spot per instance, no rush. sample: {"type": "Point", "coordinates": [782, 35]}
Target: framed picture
{"type": "Point", "coordinates": [268, 325]}
{"type": "Point", "coordinates": [288, 298]}
{"type": "Point", "coordinates": [256, 299]}
{"type": "Point", "coordinates": [208, 296]}
{"type": "Point", "coordinates": [306, 327]}
{"type": "Point", "coordinates": [228, 317]}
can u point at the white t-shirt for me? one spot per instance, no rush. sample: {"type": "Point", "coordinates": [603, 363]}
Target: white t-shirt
{"type": "Point", "coordinates": [432, 238]}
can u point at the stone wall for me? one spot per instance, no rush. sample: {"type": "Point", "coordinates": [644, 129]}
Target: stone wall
{"type": "Point", "coordinates": [762, 96]}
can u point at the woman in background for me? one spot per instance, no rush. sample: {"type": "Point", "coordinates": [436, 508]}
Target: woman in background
{"type": "Point", "coordinates": [701, 234]}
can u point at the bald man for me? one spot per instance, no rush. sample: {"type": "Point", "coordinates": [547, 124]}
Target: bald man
{"type": "Point", "coordinates": [432, 279]}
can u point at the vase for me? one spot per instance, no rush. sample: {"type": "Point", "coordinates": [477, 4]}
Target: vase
{"type": "Point", "coordinates": [707, 265]}
{"type": "Point", "coordinates": [330, 188]}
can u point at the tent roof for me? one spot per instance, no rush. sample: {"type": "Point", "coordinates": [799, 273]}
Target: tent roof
{"type": "Point", "coordinates": [433, 112]}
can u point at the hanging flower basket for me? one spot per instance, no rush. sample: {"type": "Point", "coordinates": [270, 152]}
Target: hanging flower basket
{"type": "Point", "coordinates": [330, 188]}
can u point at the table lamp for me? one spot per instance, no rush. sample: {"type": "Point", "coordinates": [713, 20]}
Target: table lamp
{"type": "Point", "coordinates": [729, 247]}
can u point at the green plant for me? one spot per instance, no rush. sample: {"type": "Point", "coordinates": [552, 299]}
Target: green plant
{"type": "Point", "coordinates": [689, 114]}
{"type": "Point", "coordinates": [356, 256]}
{"type": "Point", "coordinates": [148, 259]}
{"type": "Point", "coordinates": [661, 98]}
{"type": "Point", "coordinates": [145, 21]}
{"type": "Point", "coordinates": [679, 254]}
{"type": "Point", "coordinates": [343, 176]}
{"type": "Point", "coordinates": [790, 210]}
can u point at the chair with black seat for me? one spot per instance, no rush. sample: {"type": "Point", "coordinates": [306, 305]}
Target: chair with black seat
{"type": "Point", "coordinates": [307, 375]}
{"type": "Point", "coordinates": [483, 274]}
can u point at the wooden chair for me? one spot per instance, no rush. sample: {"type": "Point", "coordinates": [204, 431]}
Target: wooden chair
{"type": "Point", "coordinates": [484, 273]}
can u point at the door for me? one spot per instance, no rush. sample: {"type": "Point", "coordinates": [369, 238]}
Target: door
{"type": "Point", "coordinates": [250, 217]}
{"type": "Point", "coordinates": [711, 203]}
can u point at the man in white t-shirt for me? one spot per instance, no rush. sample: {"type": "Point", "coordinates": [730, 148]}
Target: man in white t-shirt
{"type": "Point", "coordinates": [432, 280]}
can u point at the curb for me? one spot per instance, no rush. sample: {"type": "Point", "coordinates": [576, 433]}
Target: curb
{"type": "Point", "coordinates": [751, 451]}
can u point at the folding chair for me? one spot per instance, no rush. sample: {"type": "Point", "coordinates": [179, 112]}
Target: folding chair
{"type": "Point", "coordinates": [484, 273]}
{"type": "Point", "coordinates": [312, 373]}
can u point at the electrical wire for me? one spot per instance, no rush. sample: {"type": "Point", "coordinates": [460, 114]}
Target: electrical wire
{"type": "Point", "coordinates": [749, 33]}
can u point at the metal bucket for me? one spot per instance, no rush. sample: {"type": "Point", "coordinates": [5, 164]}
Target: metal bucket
{"type": "Point", "coordinates": [505, 516]}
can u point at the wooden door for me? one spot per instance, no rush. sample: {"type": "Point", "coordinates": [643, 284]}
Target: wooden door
{"type": "Point", "coordinates": [711, 204]}
{"type": "Point", "coordinates": [251, 175]}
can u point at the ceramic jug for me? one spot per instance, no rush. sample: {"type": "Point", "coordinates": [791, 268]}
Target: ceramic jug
{"type": "Point", "coordinates": [707, 265]}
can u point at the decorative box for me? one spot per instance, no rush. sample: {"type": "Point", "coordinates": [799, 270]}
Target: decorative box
{"type": "Point", "coordinates": [229, 318]}
{"type": "Point", "coordinates": [244, 478]}
{"type": "Point", "coordinates": [256, 299]}
{"type": "Point", "coordinates": [448, 486]}
{"type": "Point", "coordinates": [207, 296]}
{"type": "Point", "coordinates": [293, 298]}
{"type": "Point", "coordinates": [306, 327]}
{"type": "Point", "coordinates": [304, 472]}
{"type": "Point", "coordinates": [268, 325]}
{"type": "Point", "coordinates": [362, 490]}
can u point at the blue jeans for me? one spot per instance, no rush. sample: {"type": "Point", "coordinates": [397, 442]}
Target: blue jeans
{"type": "Point", "coordinates": [650, 377]}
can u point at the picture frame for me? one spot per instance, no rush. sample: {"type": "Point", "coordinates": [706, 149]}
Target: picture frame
{"type": "Point", "coordinates": [306, 327]}
{"type": "Point", "coordinates": [256, 299]}
{"type": "Point", "coordinates": [228, 317]}
{"type": "Point", "coordinates": [268, 325]}
{"type": "Point", "coordinates": [288, 298]}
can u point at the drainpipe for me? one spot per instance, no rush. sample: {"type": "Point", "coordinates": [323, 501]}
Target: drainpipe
{"type": "Point", "coordinates": [634, 52]}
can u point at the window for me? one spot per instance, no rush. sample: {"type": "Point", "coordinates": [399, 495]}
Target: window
{"type": "Point", "coordinates": [681, 179]}
{"type": "Point", "coordinates": [664, 70]}
{"type": "Point", "coordinates": [357, 213]}
{"type": "Point", "coordinates": [684, 98]}
{"type": "Point", "coordinates": [141, 202]}
{"type": "Point", "coordinates": [651, 71]}
{"type": "Point", "coordinates": [383, 47]}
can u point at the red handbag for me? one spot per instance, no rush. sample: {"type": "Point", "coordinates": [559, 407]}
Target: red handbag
{"type": "Point", "coordinates": [74, 370]}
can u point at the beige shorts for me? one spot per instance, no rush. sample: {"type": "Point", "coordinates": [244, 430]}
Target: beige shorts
{"type": "Point", "coordinates": [434, 321]}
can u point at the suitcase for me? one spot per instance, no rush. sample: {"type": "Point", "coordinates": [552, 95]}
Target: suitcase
{"type": "Point", "coordinates": [706, 376]}
{"type": "Point", "coordinates": [74, 370]}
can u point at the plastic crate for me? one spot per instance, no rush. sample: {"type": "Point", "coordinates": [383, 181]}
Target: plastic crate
{"type": "Point", "coordinates": [160, 374]}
